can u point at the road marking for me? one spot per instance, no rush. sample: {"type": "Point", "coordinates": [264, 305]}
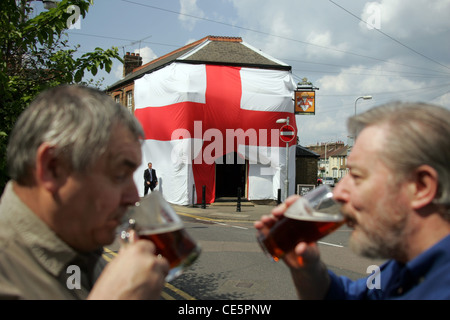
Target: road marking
{"type": "Point", "coordinates": [108, 259]}
{"type": "Point", "coordinates": [330, 244]}
{"type": "Point", "coordinates": [216, 221]}
{"type": "Point", "coordinates": [238, 227]}
{"type": "Point", "coordinates": [220, 223]}
{"type": "Point", "coordinates": [209, 219]}
{"type": "Point", "coordinates": [227, 225]}
{"type": "Point", "coordinates": [179, 292]}
{"type": "Point", "coordinates": [108, 251]}
{"type": "Point", "coordinates": [164, 295]}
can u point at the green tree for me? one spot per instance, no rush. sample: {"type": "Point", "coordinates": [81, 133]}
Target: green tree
{"type": "Point", "coordinates": [34, 56]}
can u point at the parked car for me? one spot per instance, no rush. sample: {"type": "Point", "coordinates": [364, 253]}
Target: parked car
{"type": "Point", "coordinates": [329, 181]}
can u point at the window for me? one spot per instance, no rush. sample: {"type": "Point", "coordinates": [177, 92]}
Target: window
{"type": "Point", "coordinates": [130, 101]}
{"type": "Point", "coordinates": [335, 173]}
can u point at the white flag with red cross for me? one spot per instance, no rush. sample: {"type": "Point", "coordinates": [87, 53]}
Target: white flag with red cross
{"type": "Point", "coordinates": [194, 114]}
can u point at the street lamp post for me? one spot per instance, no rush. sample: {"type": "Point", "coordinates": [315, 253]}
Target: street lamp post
{"type": "Point", "coordinates": [353, 138]}
{"type": "Point", "coordinates": [286, 181]}
{"type": "Point", "coordinates": [326, 161]}
{"type": "Point", "coordinates": [362, 97]}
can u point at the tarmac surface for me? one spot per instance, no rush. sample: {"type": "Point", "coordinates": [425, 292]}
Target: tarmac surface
{"type": "Point", "coordinates": [249, 211]}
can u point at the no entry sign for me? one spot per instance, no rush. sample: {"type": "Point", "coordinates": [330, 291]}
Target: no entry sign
{"type": "Point", "coordinates": [287, 133]}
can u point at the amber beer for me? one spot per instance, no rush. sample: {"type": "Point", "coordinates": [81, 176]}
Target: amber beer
{"type": "Point", "coordinates": [288, 232]}
{"type": "Point", "coordinates": [308, 219]}
{"type": "Point", "coordinates": [173, 243]}
{"type": "Point", "coordinates": [153, 218]}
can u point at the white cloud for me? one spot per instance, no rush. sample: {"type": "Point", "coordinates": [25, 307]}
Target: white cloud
{"type": "Point", "coordinates": [147, 54]}
{"type": "Point", "coordinates": [321, 41]}
{"type": "Point", "coordinates": [346, 59]}
{"type": "Point", "coordinates": [187, 8]}
{"type": "Point", "coordinates": [443, 100]}
{"type": "Point", "coordinates": [117, 71]}
{"type": "Point", "coordinates": [191, 40]}
{"type": "Point", "coordinates": [414, 18]}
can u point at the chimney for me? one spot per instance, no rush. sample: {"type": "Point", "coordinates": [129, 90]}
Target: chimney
{"type": "Point", "coordinates": [130, 62]}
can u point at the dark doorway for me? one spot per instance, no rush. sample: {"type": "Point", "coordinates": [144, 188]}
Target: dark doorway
{"type": "Point", "coordinates": [230, 175]}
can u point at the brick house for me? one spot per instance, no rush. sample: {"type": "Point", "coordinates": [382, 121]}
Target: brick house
{"type": "Point", "coordinates": [246, 78]}
{"type": "Point", "coordinates": [332, 159]}
{"type": "Point", "coordinates": [306, 166]}
{"type": "Point", "coordinates": [228, 51]}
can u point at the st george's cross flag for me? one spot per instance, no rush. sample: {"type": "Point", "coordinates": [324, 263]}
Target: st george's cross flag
{"type": "Point", "coordinates": [194, 114]}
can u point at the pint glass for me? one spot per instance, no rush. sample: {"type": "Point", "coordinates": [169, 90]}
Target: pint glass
{"type": "Point", "coordinates": [154, 219]}
{"type": "Point", "coordinates": [309, 219]}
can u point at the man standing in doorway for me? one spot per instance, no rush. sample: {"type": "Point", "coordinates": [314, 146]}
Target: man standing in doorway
{"type": "Point", "coordinates": [150, 179]}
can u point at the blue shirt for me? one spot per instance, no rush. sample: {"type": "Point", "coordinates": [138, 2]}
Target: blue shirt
{"type": "Point", "coordinates": [426, 277]}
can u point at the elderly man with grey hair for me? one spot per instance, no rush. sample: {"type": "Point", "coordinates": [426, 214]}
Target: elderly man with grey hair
{"type": "Point", "coordinates": [71, 158]}
{"type": "Point", "coordinates": [396, 198]}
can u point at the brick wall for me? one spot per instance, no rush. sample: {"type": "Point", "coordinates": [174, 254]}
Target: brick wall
{"type": "Point", "coordinates": [306, 170]}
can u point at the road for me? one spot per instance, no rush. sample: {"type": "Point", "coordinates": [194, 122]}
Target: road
{"type": "Point", "coordinates": [233, 267]}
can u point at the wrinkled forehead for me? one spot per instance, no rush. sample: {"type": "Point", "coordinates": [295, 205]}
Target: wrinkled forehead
{"type": "Point", "coordinates": [123, 148]}
{"type": "Point", "coordinates": [369, 144]}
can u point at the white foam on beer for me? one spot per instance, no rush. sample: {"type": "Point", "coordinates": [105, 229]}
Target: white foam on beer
{"type": "Point", "coordinates": [301, 210]}
{"type": "Point", "coordinates": [160, 229]}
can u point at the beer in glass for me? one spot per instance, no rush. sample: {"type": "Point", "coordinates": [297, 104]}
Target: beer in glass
{"type": "Point", "coordinates": [154, 219]}
{"type": "Point", "coordinates": [309, 219]}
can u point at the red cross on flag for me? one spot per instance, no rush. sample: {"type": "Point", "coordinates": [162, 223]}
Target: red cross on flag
{"type": "Point", "coordinates": [193, 114]}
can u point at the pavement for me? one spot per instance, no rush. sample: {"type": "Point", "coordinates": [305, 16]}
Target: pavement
{"type": "Point", "coordinates": [226, 211]}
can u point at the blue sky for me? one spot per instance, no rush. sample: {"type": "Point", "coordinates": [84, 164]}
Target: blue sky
{"type": "Point", "coordinates": [390, 49]}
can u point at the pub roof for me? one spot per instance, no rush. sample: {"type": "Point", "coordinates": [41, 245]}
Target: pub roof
{"type": "Point", "coordinates": [216, 50]}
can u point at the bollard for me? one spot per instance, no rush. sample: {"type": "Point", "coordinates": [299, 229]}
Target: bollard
{"type": "Point", "coordinates": [203, 197]}
{"type": "Point", "coordinates": [238, 206]}
{"type": "Point", "coordinates": [193, 196]}
{"type": "Point", "coordinates": [279, 196]}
